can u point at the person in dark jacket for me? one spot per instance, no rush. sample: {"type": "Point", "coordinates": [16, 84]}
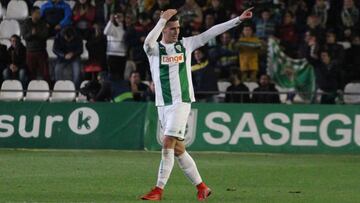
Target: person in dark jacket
{"type": "Point", "coordinates": [328, 76]}
{"type": "Point", "coordinates": [4, 59]}
{"type": "Point", "coordinates": [17, 66]}
{"type": "Point", "coordinates": [68, 47]}
{"type": "Point", "coordinates": [35, 31]}
{"type": "Point", "coordinates": [84, 14]}
{"type": "Point", "coordinates": [335, 50]}
{"type": "Point", "coordinates": [137, 87]}
{"type": "Point", "coordinates": [352, 66]}
{"type": "Point", "coordinates": [266, 92]}
{"type": "Point", "coordinates": [96, 46]}
{"type": "Point", "coordinates": [57, 14]}
{"type": "Point", "coordinates": [203, 75]}
{"type": "Point", "coordinates": [239, 87]}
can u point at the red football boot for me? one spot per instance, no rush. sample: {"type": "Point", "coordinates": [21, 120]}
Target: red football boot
{"type": "Point", "coordinates": [154, 195]}
{"type": "Point", "coordinates": [203, 191]}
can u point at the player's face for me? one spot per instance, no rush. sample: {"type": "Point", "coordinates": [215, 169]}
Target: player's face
{"type": "Point", "coordinates": [171, 31]}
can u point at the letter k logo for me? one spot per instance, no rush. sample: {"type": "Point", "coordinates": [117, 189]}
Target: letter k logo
{"type": "Point", "coordinates": [83, 121]}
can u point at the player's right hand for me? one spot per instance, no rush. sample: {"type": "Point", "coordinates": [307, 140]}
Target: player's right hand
{"type": "Point", "coordinates": [168, 14]}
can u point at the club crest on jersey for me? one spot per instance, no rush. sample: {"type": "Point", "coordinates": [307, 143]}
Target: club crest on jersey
{"type": "Point", "coordinates": [178, 47]}
{"type": "Point", "coordinates": [172, 59]}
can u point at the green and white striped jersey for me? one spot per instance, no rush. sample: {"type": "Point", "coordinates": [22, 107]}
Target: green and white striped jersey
{"type": "Point", "coordinates": [170, 64]}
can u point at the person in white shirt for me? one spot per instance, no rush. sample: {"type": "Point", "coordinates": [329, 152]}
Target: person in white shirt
{"type": "Point", "coordinates": [116, 46]}
{"type": "Point", "coordinates": [170, 65]}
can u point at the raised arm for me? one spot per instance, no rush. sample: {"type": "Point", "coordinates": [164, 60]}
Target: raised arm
{"type": "Point", "coordinates": [150, 40]}
{"type": "Point", "coordinates": [201, 39]}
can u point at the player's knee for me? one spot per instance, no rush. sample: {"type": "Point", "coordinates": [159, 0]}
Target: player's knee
{"type": "Point", "coordinates": [169, 142]}
{"type": "Point", "coordinates": [179, 151]}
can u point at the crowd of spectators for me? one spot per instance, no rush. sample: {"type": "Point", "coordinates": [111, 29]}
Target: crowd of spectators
{"type": "Point", "coordinates": [326, 32]}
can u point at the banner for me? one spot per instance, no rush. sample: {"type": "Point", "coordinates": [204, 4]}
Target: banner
{"type": "Point", "coordinates": [267, 128]}
{"type": "Point", "coordinates": [211, 127]}
{"type": "Point", "coordinates": [72, 125]}
{"type": "Point", "coordinates": [292, 74]}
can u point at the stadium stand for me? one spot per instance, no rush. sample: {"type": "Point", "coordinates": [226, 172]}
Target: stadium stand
{"type": "Point", "coordinates": [49, 48]}
{"type": "Point", "coordinates": [81, 97]}
{"type": "Point", "coordinates": [222, 86]}
{"type": "Point", "coordinates": [283, 95]}
{"type": "Point", "coordinates": [5, 42]}
{"type": "Point", "coordinates": [352, 88]}
{"type": "Point", "coordinates": [9, 28]}
{"type": "Point", "coordinates": [63, 85]}
{"type": "Point", "coordinates": [39, 3]}
{"type": "Point", "coordinates": [42, 95]}
{"type": "Point", "coordinates": [17, 90]}
{"type": "Point", "coordinates": [12, 12]}
{"type": "Point", "coordinates": [85, 53]}
{"type": "Point", "coordinates": [17, 10]}
{"type": "Point", "coordinates": [2, 11]}
{"type": "Point", "coordinates": [251, 86]}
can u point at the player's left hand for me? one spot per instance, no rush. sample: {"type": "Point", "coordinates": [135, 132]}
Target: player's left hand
{"type": "Point", "coordinates": [247, 14]}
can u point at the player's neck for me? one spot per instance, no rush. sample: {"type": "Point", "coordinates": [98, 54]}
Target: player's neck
{"type": "Point", "coordinates": [163, 41]}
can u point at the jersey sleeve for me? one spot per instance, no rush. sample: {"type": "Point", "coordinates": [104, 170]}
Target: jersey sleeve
{"type": "Point", "coordinates": [199, 40]}
{"type": "Point", "coordinates": [150, 40]}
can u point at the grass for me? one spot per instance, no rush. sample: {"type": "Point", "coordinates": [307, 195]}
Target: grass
{"type": "Point", "coordinates": [122, 176]}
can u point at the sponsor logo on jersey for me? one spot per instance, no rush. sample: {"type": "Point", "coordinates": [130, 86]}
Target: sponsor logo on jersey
{"type": "Point", "coordinates": [172, 59]}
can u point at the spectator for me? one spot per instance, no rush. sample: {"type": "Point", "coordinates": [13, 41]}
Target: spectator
{"type": "Point", "coordinates": [265, 26]}
{"type": "Point", "coordinates": [132, 7]}
{"type": "Point", "coordinates": [249, 46]}
{"type": "Point", "coordinates": [103, 89]}
{"type": "Point", "coordinates": [241, 91]}
{"type": "Point", "coordinates": [328, 76]}
{"type": "Point", "coordinates": [68, 47]}
{"type": "Point", "coordinates": [84, 18]}
{"type": "Point", "coordinates": [57, 14]}
{"type": "Point", "coordinates": [135, 37]}
{"type": "Point", "coordinates": [150, 92]}
{"type": "Point", "coordinates": [209, 21]}
{"type": "Point", "coordinates": [226, 55]}
{"type": "Point", "coordinates": [116, 47]}
{"type": "Point", "coordinates": [4, 59]}
{"type": "Point", "coordinates": [321, 9]}
{"type": "Point", "coordinates": [17, 66]}
{"type": "Point", "coordinates": [104, 10]}
{"type": "Point", "coordinates": [286, 32]}
{"type": "Point", "coordinates": [156, 15]}
{"type": "Point", "coordinates": [352, 71]}
{"type": "Point", "coordinates": [301, 13]}
{"type": "Point", "coordinates": [35, 32]}
{"type": "Point", "coordinates": [137, 87]}
{"type": "Point", "coordinates": [98, 90]}
{"type": "Point", "coordinates": [266, 92]}
{"type": "Point", "coordinates": [217, 9]}
{"type": "Point", "coordinates": [313, 25]}
{"type": "Point", "coordinates": [161, 5]}
{"type": "Point", "coordinates": [192, 11]}
{"type": "Point", "coordinates": [203, 75]}
{"type": "Point", "coordinates": [348, 19]}
{"type": "Point", "coordinates": [96, 46]}
{"type": "Point", "coordinates": [335, 50]}
{"type": "Point", "coordinates": [309, 45]}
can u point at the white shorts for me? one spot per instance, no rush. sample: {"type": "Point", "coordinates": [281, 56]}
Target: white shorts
{"type": "Point", "coordinates": [173, 119]}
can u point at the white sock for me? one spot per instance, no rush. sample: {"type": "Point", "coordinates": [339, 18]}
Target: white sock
{"type": "Point", "coordinates": [165, 168]}
{"type": "Point", "coordinates": [187, 164]}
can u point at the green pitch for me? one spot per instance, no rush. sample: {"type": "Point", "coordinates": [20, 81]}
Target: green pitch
{"type": "Point", "coordinates": [121, 176]}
